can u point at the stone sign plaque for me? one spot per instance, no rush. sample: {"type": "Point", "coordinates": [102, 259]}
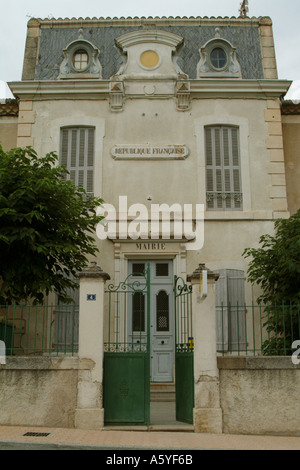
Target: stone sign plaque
{"type": "Point", "coordinates": [150, 152]}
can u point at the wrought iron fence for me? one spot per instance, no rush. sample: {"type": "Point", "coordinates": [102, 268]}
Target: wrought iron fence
{"type": "Point", "coordinates": [268, 330]}
{"type": "Point", "coordinates": [241, 330]}
{"type": "Point", "coordinates": [39, 329]}
{"type": "Point", "coordinates": [126, 326]}
{"type": "Point", "coordinates": [183, 316]}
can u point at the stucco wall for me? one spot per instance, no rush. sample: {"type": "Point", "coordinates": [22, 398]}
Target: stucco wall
{"type": "Point", "coordinates": [8, 132]}
{"type": "Point", "coordinates": [260, 396]}
{"type": "Point", "coordinates": [291, 140]}
{"type": "Point", "coordinates": [39, 391]}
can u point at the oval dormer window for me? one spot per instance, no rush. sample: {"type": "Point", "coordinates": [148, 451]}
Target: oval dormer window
{"type": "Point", "coordinates": [80, 60]}
{"type": "Point", "coordinates": [218, 58]}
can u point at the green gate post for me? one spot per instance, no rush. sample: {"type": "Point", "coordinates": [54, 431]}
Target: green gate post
{"type": "Point", "coordinates": [207, 411]}
{"type": "Point", "coordinates": [89, 413]}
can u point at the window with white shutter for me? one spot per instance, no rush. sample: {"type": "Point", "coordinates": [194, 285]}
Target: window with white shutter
{"type": "Point", "coordinates": [231, 310]}
{"type": "Point", "coordinates": [77, 154]}
{"type": "Point", "coordinates": [223, 173]}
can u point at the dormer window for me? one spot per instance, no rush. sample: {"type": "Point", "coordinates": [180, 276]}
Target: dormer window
{"type": "Point", "coordinates": [218, 59]}
{"type": "Point", "coordinates": [81, 60]}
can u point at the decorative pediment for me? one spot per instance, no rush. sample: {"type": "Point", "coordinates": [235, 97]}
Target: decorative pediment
{"type": "Point", "coordinates": [150, 54]}
{"type": "Point", "coordinates": [81, 60]}
{"type": "Point", "coordinates": [218, 59]}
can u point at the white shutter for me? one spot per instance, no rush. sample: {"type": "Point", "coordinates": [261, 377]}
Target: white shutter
{"type": "Point", "coordinates": [230, 310]}
{"type": "Point", "coordinates": [237, 310]}
{"type": "Point", "coordinates": [66, 328]}
{"type": "Point", "coordinates": [222, 311]}
{"type": "Point", "coordinates": [223, 173]}
{"type": "Point", "coordinates": [77, 154]}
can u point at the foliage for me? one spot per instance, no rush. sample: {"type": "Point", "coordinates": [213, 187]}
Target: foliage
{"type": "Point", "coordinates": [46, 227]}
{"type": "Point", "coordinates": [275, 267]}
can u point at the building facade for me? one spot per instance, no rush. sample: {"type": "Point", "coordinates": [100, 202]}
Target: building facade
{"type": "Point", "coordinates": [159, 116]}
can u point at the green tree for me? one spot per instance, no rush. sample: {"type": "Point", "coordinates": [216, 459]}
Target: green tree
{"type": "Point", "coordinates": [47, 227]}
{"type": "Point", "coordinates": [275, 267]}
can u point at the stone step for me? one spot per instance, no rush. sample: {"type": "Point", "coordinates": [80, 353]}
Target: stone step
{"type": "Point", "coordinates": [163, 392]}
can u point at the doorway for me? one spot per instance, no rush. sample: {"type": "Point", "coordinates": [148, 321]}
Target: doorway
{"type": "Point", "coordinates": [162, 342]}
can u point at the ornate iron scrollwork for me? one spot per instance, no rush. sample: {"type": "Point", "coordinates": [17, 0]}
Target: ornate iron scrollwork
{"type": "Point", "coordinates": [181, 287]}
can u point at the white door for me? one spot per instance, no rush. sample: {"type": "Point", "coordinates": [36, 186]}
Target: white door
{"type": "Point", "coordinates": [161, 317]}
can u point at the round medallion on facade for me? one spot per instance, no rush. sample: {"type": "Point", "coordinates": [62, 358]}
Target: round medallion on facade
{"type": "Point", "coordinates": [149, 59]}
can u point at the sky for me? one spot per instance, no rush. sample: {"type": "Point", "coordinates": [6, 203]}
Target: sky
{"type": "Point", "coordinates": [15, 14]}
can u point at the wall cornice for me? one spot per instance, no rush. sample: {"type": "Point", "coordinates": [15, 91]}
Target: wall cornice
{"type": "Point", "coordinates": [198, 89]}
{"type": "Point", "coordinates": [145, 21]}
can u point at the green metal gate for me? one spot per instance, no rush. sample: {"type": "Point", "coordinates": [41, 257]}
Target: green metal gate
{"type": "Point", "coordinates": [126, 381]}
{"type": "Point", "coordinates": [184, 354]}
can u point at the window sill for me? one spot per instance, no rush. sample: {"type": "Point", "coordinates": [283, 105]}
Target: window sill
{"type": "Point", "coordinates": [238, 215]}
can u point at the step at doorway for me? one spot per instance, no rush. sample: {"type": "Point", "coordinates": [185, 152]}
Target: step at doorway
{"type": "Point", "coordinates": [163, 409]}
{"type": "Point", "coordinates": [162, 392]}
{"type": "Point", "coordinates": [163, 418]}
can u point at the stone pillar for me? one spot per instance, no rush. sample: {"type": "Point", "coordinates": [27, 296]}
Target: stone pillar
{"type": "Point", "coordinates": [207, 411]}
{"type": "Point", "coordinates": [90, 413]}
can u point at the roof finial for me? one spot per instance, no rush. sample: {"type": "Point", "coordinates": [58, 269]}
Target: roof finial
{"type": "Point", "coordinates": [217, 33]}
{"type": "Point", "coordinates": [244, 9]}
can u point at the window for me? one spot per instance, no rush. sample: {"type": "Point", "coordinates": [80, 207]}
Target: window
{"type": "Point", "coordinates": [138, 312]}
{"type": "Point", "coordinates": [231, 310]}
{"type": "Point", "coordinates": [138, 269]}
{"type": "Point", "coordinates": [162, 269]}
{"type": "Point", "coordinates": [162, 311]}
{"type": "Point", "coordinates": [77, 154]}
{"type": "Point", "coordinates": [80, 60]}
{"type": "Point", "coordinates": [218, 58]}
{"type": "Point", "coordinates": [223, 173]}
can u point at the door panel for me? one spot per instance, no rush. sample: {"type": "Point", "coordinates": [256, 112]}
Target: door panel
{"type": "Point", "coordinates": [162, 333]}
{"type": "Point", "coordinates": [126, 377]}
{"type": "Point", "coordinates": [161, 317]}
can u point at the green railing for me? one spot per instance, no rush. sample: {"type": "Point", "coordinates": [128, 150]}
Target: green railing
{"type": "Point", "coordinates": [32, 330]}
{"type": "Point", "coordinates": [183, 315]}
{"type": "Point", "coordinates": [127, 325]}
{"type": "Point", "coordinates": [268, 330]}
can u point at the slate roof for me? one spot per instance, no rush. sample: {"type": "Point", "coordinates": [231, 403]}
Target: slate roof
{"type": "Point", "coordinates": [56, 34]}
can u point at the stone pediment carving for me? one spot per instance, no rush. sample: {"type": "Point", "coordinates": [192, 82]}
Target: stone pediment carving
{"type": "Point", "coordinates": [150, 54]}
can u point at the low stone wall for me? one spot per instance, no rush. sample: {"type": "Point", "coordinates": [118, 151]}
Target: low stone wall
{"type": "Point", "coordinates": [40, 391]}
{"type": "Point", "coordinates": [260, 395]}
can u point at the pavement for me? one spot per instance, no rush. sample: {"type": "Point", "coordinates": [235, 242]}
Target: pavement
{"type": "Point", "coordinates": [164, 434]}
{"type": "Point", "coordinates": [13, 438]}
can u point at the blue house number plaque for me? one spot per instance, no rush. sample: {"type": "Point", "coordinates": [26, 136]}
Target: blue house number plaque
{"type": "Point", "coordinates": [91, 297]}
